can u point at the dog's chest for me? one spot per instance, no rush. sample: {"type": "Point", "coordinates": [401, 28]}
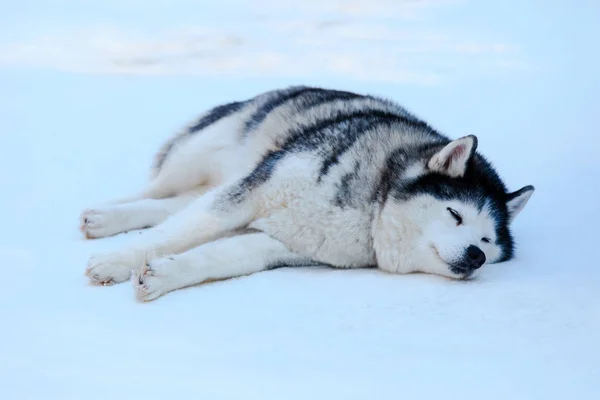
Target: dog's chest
{"type": "Point", "coordinates": [313, 227]}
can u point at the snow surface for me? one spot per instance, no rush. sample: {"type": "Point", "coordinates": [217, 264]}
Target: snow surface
{"type": "Point", "coordinates": [525, 329]}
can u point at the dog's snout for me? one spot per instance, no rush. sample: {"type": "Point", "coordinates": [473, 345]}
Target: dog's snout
{"type": "Point", "coordinates": [475, 256]}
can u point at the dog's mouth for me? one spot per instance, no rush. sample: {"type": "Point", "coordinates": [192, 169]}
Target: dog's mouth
{"type": "Point", "coordinates": [464, 273]}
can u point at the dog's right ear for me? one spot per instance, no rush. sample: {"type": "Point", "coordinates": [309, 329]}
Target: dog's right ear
{"type": "Point", "coordinates": [453, 158]}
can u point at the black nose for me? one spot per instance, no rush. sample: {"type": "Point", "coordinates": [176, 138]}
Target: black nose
{"type": "Point", "coordinates": [475, 257]}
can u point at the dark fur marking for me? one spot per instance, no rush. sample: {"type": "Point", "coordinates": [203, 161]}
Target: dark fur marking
{"type": "Point", "coordinates": [314, 136]}
{"type": "Point", "coordinates": [356, 127]}
{"type": "Point", "coordinates": [318, 98]}
{"type": "Point", "coordinates": [361, 126]}
{"type": "Point", "coordinates": [308, 97]}
{"type": "Point", "coordinates": [395, 165]}
{"type": "Point", "coordinates": [259, 175]}
{"type": "Point", "coordinates": [294, 264]}
{"type": "Point", "coordinates": [216, 114]}
{"type": "Point", "coordinates": [307, 263]}
{"type": "Point", "coordinates": [261, 114]}
{"type": "Point", "coordinates": [343, 197]}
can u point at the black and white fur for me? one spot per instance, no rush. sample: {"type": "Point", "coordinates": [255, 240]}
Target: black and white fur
{"type": "Point", "coordinates": [307, 176]}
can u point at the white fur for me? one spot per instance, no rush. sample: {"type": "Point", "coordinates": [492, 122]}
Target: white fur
{"type": "Point", "coordinates": [421, 236]}
{"type": "Point", "coordinates": [223, 258]}
{"type": "Point", "coordinates": [113, 267]}
{"type": "Point", "coordinates": [292, 209]}
{"type": "Point", "coordinates": [200, 222]}
{"type": "Point", "coordinates": [111, 219]}
{"type": "Point", "coordinates": [210, 157]}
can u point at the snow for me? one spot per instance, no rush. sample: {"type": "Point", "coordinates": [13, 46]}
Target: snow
{"type": "Point", "coordinates": [525, 329]}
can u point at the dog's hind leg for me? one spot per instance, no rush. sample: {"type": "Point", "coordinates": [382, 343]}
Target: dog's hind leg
{"type": "Point", "coordinates": [157, 188]}
{"type": "Point", "coordinates": [114, 218]}
{"type": "Point", "coordinates": [211, 216]}
{"type": "Point", "coordinates": [221, 259]}
{"type": "Point", "coordinates": [190, 160]}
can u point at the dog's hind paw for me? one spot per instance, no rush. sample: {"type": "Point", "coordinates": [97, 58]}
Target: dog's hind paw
{"type": "Point", "coordinates": [100, 222]}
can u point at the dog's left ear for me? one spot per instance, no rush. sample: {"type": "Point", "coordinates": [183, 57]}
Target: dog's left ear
{"type": "Point", "coordinates": [516, 201]}
{"type": "Point", "coordinates": [453, 158]}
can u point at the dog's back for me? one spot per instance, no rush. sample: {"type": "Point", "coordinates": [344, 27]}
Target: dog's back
{"type": "Point", "coordinates": [230, 140]}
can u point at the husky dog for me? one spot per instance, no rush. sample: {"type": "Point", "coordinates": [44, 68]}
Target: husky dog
{"type": "Point", "coordinates": [307, 176]}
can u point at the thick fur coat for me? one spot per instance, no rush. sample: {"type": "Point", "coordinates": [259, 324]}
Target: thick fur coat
{"type": "Point", "coordinates": [308, 176]}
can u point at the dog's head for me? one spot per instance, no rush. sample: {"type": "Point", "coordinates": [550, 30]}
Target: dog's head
{"type": "Point", "coordinates": [450, 218]}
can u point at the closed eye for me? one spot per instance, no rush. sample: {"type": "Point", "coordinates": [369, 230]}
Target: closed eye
{"type": "Point", "coordinates": [486, 240]}
{"type": "Point", "coordinates": [455, 215]}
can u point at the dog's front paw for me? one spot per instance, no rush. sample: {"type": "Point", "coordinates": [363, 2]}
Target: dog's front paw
{"type": "Point", "coordinates": [156, 278]}
{"type": "Point", "coordinates": [111, 268]}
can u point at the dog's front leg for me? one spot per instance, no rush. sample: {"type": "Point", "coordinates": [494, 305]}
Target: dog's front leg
{"type": "Point", "coordinates": [209, 217]}
{"type": "Point", "coordinates": [239, 255]}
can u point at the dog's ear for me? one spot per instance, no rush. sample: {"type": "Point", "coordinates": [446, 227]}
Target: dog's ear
{"type": "Point", "coordinates": [516, 201]}
{"type": "Point", "coordinates": [453, 158]}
